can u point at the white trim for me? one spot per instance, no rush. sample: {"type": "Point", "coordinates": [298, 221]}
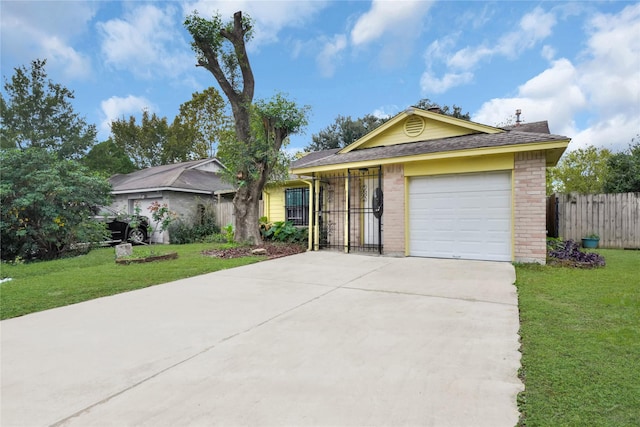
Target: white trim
{"type": "Point", "coordinates": [205, 162]}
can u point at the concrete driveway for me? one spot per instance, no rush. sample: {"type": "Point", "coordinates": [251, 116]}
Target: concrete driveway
{"type": "Point", "coordinates": [320, 338]}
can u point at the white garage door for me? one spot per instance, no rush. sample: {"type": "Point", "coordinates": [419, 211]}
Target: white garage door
{"type": "Point", "coordinates": [465, 216]}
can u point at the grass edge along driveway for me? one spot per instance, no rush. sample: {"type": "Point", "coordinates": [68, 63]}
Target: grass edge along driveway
{"type": "Point", "coordinates": [49, 284]}
{"type": "Point", "coordinates": [580, 334]}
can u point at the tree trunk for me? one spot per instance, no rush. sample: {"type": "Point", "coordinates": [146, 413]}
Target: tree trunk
{"type": "Point", "coordinates": [246, 205]}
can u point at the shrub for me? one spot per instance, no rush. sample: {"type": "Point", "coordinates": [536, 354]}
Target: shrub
{"type": "Point", "coordinates": [284, 231]}
{"type": "Point", "coordinates": [228, 233]}
{"type": "Point", "coordinates": [47, 205]}
{"type": "Point", "coordinates": [202, 227]}
{"type": "Point", "coordinates": [554, 243]}
{"type": "Point", "coordinates": [182, 233]}
{"type": "Point", "coordinates": [569, 253]}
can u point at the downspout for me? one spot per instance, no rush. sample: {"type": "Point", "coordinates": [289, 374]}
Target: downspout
{"type": "Point", "coordinates": [310, 215]}
{"type": "Point", "coordinates": [266, 204]}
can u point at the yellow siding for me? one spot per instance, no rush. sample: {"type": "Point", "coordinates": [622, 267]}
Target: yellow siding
{"type": "Point", "coordinates": [460, 165]}
{"type": "Point", "coordinates": [274, 203]}
{"type": "Point", "coordinates": [433, 130]}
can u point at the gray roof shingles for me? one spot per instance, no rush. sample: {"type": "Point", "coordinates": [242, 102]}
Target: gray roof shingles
{"type": "Point", "coordinates": [176, 176]}
{"type": "Point", "coordinates": [465, 142]}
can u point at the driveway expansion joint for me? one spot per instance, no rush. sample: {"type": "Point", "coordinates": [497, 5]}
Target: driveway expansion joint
{"type": "Point", "coordinates": [386, 291]}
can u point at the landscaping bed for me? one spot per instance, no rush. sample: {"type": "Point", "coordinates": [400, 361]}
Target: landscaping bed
{"type": "Point", "coordinates": [273, 250]}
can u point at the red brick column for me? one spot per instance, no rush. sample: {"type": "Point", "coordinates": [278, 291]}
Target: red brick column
{"type": "Point", "coordinates": [530, 207]}
{"type": "Point", "coordinates": [393, 215]}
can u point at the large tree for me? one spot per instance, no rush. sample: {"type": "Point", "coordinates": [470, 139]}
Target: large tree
{"type": "Point", "coordinates": [221, 49]}
{"type": "Point", "coordinates": [107, 158]}
{"type": "Point", "coordinates": [624, 170]}
{"type": "Point", "coordinates": [144, 143]}
{"type": "Point", "coordinates": [37, 113]}
{"type": "Point", "coordinates": [198, 127]}
{"type": "Point", "coordinates": [343, 131]}
{"type": "Point", "coordinates": [582, 171]}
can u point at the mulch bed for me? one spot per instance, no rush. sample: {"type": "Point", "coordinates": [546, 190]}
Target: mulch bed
{"type": "Point", "coordinates": [274, 250]}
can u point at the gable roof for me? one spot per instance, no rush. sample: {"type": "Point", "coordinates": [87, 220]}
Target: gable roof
{"type": "Point", "coordinates": [454, 125]}
{"type": "Point", "coordinates": [480, 143]}
{"type": "Point", "coordinates": [192, 177]}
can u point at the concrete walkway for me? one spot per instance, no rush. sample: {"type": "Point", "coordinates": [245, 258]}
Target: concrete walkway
{"type": "Point", "coordinates": [319, 338]}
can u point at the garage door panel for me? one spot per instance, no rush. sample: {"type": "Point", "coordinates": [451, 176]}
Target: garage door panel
{"type": "Point", "coordinates": [461, 216]}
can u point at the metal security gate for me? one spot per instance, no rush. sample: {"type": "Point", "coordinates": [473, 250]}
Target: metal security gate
{"type": "Point", "coordinates": [349, 210]}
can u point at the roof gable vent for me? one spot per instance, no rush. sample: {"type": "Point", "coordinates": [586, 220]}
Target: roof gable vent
{"type": "Point", "coordinates": [413, 126]}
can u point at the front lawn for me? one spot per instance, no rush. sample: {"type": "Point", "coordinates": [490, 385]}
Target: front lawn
{"type": "Point", "coordinates": [43, 285]}
{"type": "Point", "coordinates": [580, 334]}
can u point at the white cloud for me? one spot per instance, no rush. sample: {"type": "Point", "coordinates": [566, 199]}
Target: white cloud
{"type": "Point", "coordinates": [433, 84]}
{"type": "Point", "coordinates": [329, 56]}
{"type": "Point", "coordinates": [611, 71]}
{"type": "Point", "coordinates": [73, 63]}
{"type": "Point", "coordinates": [548, 52]}
{"type": "Point", "coordinates": [394, 26]}
{"type": "Point", "coordinates": [603, 84]}
{"type": "Point", "coordinates": [533, 27]}
{"type": "Point", "coordinates": [147, 42]}
{"type": "Point", "coordinates": [116, 107]}
{"type": "Point", "coordinates": [467, 58]}
{"type": "Point", "coordinates": [385, 111]}
{"type": "Point", "coordinates": [614, 133]}
{"type": "Point", "coordinates": [553, 95]}
{"type": "Point", "coordinates": [47, 30]}
{"type": "Point", "coordinates": [388, 17]}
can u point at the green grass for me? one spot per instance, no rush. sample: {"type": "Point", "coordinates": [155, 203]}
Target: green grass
{"type": "Point", "coordinates": [43, 285]}
{"type": "Point", "coordinates": [580, 334]}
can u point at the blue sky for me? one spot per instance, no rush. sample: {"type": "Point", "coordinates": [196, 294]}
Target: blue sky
{"type": "Point", "coordinates": [575, 64]}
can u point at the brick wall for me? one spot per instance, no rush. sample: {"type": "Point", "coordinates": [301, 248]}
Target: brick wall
{"type": "Point", "coordinates": [393, 216]}
{"type": "Point", "coordinates": [530, 207]}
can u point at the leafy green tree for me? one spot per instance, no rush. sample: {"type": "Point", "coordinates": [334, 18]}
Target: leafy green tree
{"type": "Point", "coordinates": [454, 111]}
{"type": "Point", "coordinates": [197, 129]}
{"type": "Point", "coordinates": [37, 113]}
{"type": "Point", "coordinates": [582, 171]}
{"type": "Point", "coordinates": [624, 170]}
{"type": "Point", "coordinates": [143, 143]}
{"type": "Point", "coordinates": [343, 131]}
{"type": "Point", "coordinates": [47, 204]}
{"type": "Point", "coordinates": [107, 158]}
{"type": "Point", "coordinates": [260, 130]}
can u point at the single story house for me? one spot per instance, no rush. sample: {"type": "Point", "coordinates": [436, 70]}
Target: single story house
{"type": "Point", "coordinates": [187, 188]}
{"type": "Point", "coordinates": [426, 184]}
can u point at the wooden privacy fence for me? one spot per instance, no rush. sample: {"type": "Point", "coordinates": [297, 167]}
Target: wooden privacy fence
{"type": "Point", "coordinates": [613, 217]}
{"type": "Point", "coordinates": [224, 212]}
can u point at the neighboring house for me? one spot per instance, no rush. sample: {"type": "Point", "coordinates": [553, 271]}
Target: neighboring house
{"type": "Point", "coordinates": [429, 185]}
{"type": "Point", "coordinates": [187, 188]}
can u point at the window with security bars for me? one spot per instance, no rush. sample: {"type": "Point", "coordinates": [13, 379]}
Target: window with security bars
{"type": "Point", "coordinates": [297, 205]}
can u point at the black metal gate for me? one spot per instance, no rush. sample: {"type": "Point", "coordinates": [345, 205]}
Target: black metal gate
{"type": "Point", "coordinates": [349, 210]}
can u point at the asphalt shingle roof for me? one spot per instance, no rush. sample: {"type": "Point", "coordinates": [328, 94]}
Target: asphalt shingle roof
{"type": "Point", "coordinates": [178, 176]}
{"type": "Point", "coordinates": [465, 142]}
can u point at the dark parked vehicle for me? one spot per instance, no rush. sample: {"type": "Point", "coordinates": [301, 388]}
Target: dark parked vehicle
{"type": "Point", "coordinates": [124, 227]}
